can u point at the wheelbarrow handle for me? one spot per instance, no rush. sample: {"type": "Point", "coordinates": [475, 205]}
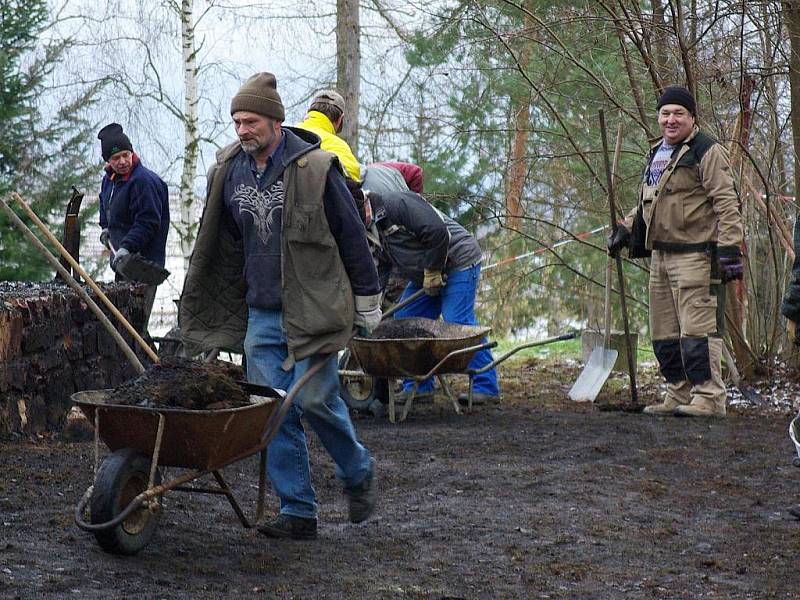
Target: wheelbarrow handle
{"type": "Point", "coordinates": [435, 369]}
{"type": "Point", "coordinates": [559, 338]}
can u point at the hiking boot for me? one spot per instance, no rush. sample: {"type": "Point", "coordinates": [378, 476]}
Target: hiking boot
{"type": "Point", "coordinates": [700, 409]}
{"type": "Point", "coordinates": [665, 408]}
{"type": "Point", "coordinates": [290, 527]}
{"type": "Point", "coordinates": [362, 498]}
{"type": "Point", "coordinates": [478, 398]}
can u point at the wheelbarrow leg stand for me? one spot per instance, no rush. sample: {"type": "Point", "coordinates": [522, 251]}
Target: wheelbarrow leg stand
{"type": "Point", "coordinates": [448, 391]}
{"type": "Point", "coordinates": [232, 499]}
{"type": "Point", "coordinates": [262, 484]}
{"type": "Point", "coordinates": [409, 400]}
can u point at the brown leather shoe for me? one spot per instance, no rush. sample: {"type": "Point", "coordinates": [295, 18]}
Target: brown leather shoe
{"type": "Point", "coordinates": [290, 527]}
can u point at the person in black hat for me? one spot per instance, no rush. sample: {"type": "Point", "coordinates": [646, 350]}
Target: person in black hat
{"type": "Point", "coordinates": [281, 270]}
{"type": "Point", "coordinates": [689, 217]}
{"type": "Point", "coordinates": [134, 206]}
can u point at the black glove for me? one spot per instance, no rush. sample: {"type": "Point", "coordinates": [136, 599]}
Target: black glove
{"type": "Point", "coordinates": [621, 238]}
{"type": "Point", "coordinates": [731, 263]}
{"type": "Point", "coordinates": [104, 237]}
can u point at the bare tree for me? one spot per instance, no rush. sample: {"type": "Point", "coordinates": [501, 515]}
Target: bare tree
{"type": "Point", "coordinates": [348, 66]}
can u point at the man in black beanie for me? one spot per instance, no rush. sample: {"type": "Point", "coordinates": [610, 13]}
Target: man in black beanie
{"type": "Point", "coordinates": [281, 270]}
{"type": "Point", "coordinates": [689, 217]}
{"type": "Point", "coordinates": [134, 206]}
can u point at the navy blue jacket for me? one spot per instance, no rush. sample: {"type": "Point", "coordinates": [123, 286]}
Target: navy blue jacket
{"type": "Point", "coordinates": [135, 210]}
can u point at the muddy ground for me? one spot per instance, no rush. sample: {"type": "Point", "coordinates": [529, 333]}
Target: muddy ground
{"type": "Point", "coordinates": [535, 498]}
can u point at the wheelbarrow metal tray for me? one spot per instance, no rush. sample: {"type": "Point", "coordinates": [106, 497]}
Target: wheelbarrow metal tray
{"type": "Point", "coordinates": [416, 356]}
{"type": "Point", "coordinates": [195, 439]}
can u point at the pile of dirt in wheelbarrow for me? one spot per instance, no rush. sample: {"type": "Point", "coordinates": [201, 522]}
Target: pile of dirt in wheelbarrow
{"type": "Point", "coordinates": [182, 383]}
{"type": "Point", "coordinates": [401, 329]}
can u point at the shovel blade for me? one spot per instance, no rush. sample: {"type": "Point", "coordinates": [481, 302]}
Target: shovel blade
{"type": "Point", "coordinates": [136, 268]}
{"type": "Point", "coordinates": [594, 375]}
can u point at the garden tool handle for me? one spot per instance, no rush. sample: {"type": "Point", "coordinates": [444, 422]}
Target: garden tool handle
{"type": "Point", "coordinates": [79, 270]}
{"type": "Point", "coordinates": [403, 303]}
{"type": "Point", "coordinates": [618, 258]}
{"type": "Point", "coordinates": [74, 285]}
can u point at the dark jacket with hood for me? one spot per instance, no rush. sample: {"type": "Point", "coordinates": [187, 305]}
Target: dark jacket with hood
{"type": "Point", "coordinates": [415, 236]}
{"type": "Point", "coordinates": [325, 258]}
{"type": "Point", "coordinates": [135, 210]}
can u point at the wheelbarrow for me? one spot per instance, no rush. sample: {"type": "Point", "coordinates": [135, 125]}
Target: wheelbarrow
{"type": "Point", "coordinates": [449, 351]}
{"type": "Point", "coordinates": [125, 499]}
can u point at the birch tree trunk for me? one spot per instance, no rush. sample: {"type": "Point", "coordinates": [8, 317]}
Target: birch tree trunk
{"type": "Point", "coordinates": [188, 224]}
{"type": "Point", "coordinates": [348, 67]}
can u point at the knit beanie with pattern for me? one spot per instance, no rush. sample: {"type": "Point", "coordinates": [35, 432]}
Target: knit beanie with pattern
{"type": "Point", "coordinates": [259, 94]}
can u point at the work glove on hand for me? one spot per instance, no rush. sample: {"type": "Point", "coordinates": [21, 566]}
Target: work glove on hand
{"type": "Point", "coordinates": [791, 331]}
{"type": "Point", "coordinates": [116, 258]}
{"type": "Point", "coordinates": [368, 313]}
{"type": "Point", "coordinates": [432, 282]}
{"type": "Point", "coordinates": [731, 264]}
{"type": "Point", "coordinates": [621, 238]}
{"type": "Point", "coordinates": [104, 237]}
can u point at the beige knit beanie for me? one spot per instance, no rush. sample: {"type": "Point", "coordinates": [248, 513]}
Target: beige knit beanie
{"type": "Point", "coordinates": [259, 94]}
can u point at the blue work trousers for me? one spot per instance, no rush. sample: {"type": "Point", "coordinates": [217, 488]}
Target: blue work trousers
{"type": "Point", "coordinates": [455, 304]}
{"type": "Point", "coordinates": [318, 402]}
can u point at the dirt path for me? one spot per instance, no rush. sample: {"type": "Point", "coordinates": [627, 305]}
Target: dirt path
{"type": "Point", "coordinates": [536, 498]}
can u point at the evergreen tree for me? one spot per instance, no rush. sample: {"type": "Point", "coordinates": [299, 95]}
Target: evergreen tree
{"type": "Point", "coordinates": [44, 138]}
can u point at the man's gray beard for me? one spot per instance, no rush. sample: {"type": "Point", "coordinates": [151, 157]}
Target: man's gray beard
{"type": "Point", "coordinates": [251, 148]}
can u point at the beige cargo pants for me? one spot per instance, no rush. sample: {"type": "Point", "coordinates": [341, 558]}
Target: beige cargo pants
{"type": "Point", "coordinates": [687, 311]}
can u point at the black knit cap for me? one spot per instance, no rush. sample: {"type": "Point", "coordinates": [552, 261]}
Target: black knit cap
{"type": "Point", "coordinates": [676, 94]}
{"type": "Point", "coordinates": [113, 140]}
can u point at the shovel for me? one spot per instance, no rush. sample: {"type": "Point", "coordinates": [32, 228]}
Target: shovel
{"type": "Point", "coordinates": [602, 359]}
{"type": "Point", "coordinates": [134, 267]}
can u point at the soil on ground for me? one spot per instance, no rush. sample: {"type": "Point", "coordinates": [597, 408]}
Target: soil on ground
{"type": "Point", "coordinates": [536, 497]}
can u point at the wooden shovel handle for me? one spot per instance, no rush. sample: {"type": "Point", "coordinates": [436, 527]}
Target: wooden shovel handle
{"type": "Point", "coordinates": [74, 285]}
{"type": "Point", "coordinates": [79, 270]}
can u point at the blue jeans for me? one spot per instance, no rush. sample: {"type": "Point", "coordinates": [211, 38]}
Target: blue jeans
{"type": "Point", "coordinates": [456, 304]}
{"type": "Point", "coordinates": [318, 402]}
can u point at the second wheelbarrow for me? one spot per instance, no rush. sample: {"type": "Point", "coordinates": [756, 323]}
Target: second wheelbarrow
{"type": "Point", "coordinates": [447, 348]}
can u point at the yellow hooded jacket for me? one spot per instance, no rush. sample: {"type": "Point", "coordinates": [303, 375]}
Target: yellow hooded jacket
{"type": "Point", "coordinates": [318, 123]}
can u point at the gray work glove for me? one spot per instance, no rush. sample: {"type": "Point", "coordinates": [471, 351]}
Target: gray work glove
{"type": "Point", "coordinates": [116, 258]}
{"type": "Point", "coordinates": [104, 237]}
{"type": "Point", "coordinates": [621, 238]}
{"type": "Point", "coordinates": [368, 313]}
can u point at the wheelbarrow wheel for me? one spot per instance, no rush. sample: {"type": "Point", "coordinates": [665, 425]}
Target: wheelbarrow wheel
{"type": "Point", "coordinates": [122, 476]}
{"type": "Point", "coordinates": [363, 392]}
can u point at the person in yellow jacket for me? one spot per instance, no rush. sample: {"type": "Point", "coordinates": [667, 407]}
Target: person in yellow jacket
{"type": "Point", "coordinates": [325, 117]}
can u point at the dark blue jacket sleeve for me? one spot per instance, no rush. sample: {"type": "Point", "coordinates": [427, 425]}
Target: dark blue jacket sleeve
{"type": "Point", "coordinates": [350, 236]}
{"type": "Point", "coordinates": [420, 218]}
{"type": "Point", "coordinates": [144, 202]}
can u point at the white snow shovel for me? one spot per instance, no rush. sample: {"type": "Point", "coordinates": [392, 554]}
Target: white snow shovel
{"type": "Point", "coordinates": [601, 361]}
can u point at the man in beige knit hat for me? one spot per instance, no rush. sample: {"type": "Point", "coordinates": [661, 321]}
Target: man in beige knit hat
{"type": "Point", "coordinates": [281, 270]}
{"type": "Point", "coordinates": [325, 118]}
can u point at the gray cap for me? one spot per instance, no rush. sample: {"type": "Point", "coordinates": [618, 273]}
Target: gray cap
{"type": "Point", "coordinates": [331, 97]}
